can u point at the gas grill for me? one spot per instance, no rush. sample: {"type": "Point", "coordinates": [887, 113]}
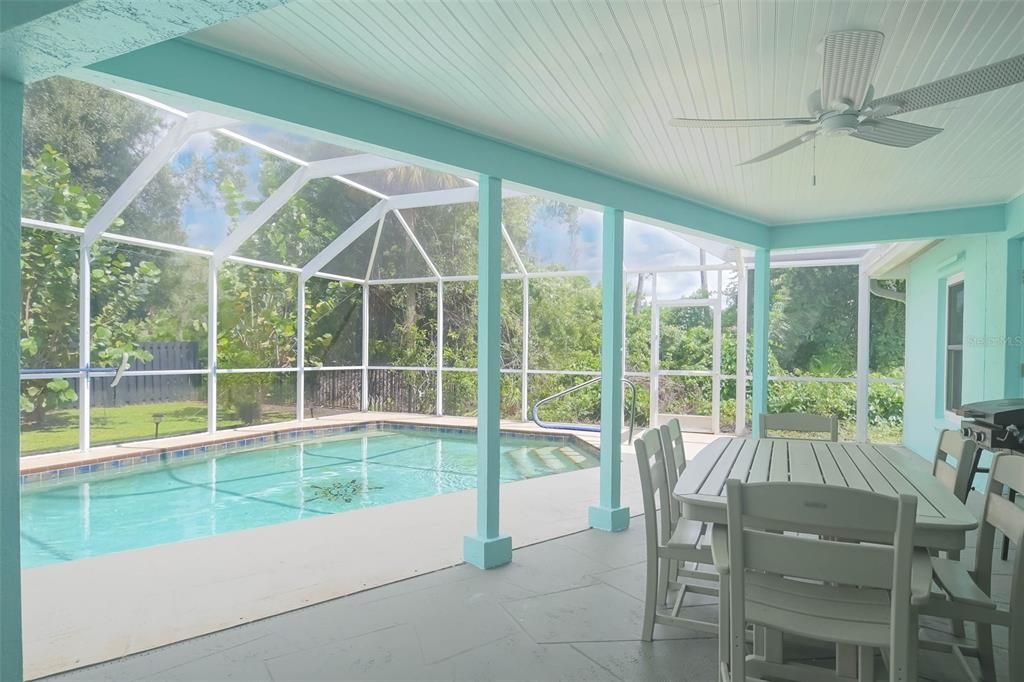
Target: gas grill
{"type": "Point", "coordinates": [995, 424]}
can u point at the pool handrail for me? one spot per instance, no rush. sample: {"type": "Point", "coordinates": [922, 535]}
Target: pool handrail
{"type": "Point", "coordinates": [583, 427]}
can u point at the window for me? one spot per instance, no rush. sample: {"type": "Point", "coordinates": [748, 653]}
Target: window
{"type": "Point", "coordinates": [954, 342]}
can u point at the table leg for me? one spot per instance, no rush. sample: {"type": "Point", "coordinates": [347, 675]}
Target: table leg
{"type": "Point", "coordinates": [772, 645]}
{"type": "Point", "coordinates": [1006, 540]}
{"type": "Point", "coordinates": [846, 661]}
{"type": "Point", "coordinates": [865, 664]}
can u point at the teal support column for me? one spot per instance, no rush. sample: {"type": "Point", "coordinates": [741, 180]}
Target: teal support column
{"type": "Point", "coordinates": [609, 514]}
{"type": "Point", "coordinates": [11, 99]}
{"type": "Point", "coordinates": [487, 548]}
{"type": "Point", "coordinates": [762, 298]}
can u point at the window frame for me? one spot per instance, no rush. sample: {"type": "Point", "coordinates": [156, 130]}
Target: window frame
{"type": "Point", "coordinates": [953, 281]}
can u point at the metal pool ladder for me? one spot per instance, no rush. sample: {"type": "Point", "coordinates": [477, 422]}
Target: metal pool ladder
{"type": "Point", "coordinates": [584, 427]}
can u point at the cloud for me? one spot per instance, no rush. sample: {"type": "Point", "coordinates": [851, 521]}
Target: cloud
{"type": "Point", "coordinates": [645, 246]}
{"type": "Point", "coordinates": [205, 226]}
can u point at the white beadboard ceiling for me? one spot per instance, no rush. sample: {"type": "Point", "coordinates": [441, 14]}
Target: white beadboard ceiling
{"type": "Point", "coordinates": [595, 82]}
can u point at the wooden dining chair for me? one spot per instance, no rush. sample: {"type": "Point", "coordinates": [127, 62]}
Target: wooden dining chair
{"type": "Point", "coordinates": [955, 475]}
{"type": "Point", "coordinates": [778, 572]}
{"type": "Point", "coordinates": [967, 591]}
{"type": "Point", "coordinates": [683, 543]}
{"type": "Point", "coordinates": [952, 467]}
{"type": "Point", "coordinates": [798, 422]}
{"type": "Point", "coordinates": [674, 449]}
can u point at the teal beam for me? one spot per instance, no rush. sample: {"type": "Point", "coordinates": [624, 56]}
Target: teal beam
{"type": "Point", "coordinates": [762, 303]}
{"type": "Point", "coordinates": [11, 99]}
{"type": "Point", "coordinates": [609, 514]}
{"type": "Point", "coordinates": [955, 222]}
{"type": "Point", "coordinates": [42, 38]}
{"type": "Point", "coordinates": [488, 548]}
{"type": "Point", "coordinates": [221, 83]}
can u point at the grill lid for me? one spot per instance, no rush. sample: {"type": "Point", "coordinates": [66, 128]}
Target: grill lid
{"type": "Point", "coordinates": [1005, 412]}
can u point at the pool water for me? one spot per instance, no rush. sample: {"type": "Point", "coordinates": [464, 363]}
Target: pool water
{"type": "Point", "coordinates": [173, 501]}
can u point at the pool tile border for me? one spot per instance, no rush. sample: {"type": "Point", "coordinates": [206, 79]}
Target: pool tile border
{"type": "Point", "coordinates": [55, 474]}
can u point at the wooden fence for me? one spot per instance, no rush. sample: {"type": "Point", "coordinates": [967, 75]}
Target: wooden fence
{"type": "Point", "coordinates": [132, 390]}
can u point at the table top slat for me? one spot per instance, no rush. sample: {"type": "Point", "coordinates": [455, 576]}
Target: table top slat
{"type": "Point", "coordinates": [876, 481]}
{"type": "Point", "coordinates": [899, 482]}
{"type": "Point", "coordinates": [762, 460]}
{"type": "Point", "coordinates": [803, 465]}
{"type": "Point", "coordinates": [715, 482]}
{"type": "Point", "coordinates": [741, 467]}
{"type": "Point", "coordinates": [851, 472]}
{"type": "Point", "coordinates": [698, 469]}
{"type": "Point", "coordinates": [924, 484]}
{"type": "Point", "coordinates": [779, 468]}
{"type": "Point", "coordinates": [830, 471]}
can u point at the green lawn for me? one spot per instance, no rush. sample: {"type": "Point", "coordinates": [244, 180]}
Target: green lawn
{"type": "Point", "coordinates": [135, 422]}
{"type": "Point", "coordinates": [129, 423]}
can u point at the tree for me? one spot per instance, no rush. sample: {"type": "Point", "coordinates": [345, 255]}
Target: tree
{"type": "Point", "coordinates": [50, 282]}
{"type": "Point", "coordinates": [81, 142]}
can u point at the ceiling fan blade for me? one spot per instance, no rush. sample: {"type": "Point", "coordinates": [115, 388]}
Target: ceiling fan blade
{"type": "Point", "coordinates": [894, 133]}
{"type": "Point", "coordinates": [814, 103]}
{"type": "Point", "coordinates": [967, 84]}
{"type": "Point", "coordinates": [848, 63]}
{"type": "Point", "coordinates": [740, 122]}
{"type": "Point", "coordinates": [792, 144]}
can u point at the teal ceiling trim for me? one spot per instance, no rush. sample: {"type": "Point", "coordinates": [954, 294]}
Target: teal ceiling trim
{"type": "Point", "coordinates": [954, 222]}
{"type": "Point", "coordinates": [44, 38]}
{"type": "Point", "coordinates": [224, 82]}
{"type": "Point", "coordinates": [1015, 216]}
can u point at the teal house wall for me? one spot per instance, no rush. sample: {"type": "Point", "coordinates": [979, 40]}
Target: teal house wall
{"type": "Point", "coordinates": [993, 333]}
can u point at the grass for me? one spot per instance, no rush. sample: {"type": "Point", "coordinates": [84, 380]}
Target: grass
{"type": "Point", "coordinates": [135, 422]}
{"type": "Point", "coordinates": [131, 422]}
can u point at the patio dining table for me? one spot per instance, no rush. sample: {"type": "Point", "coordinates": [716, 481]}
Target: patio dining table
{"type": "Point", "coordinates": [942, 520]}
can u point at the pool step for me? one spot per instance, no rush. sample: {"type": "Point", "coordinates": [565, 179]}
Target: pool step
{"type": "Point", "coordinates": [554, 460]}
{"type": "Point", "coordinates": [520, 459]}
{"type": "Point", "coordinates": [576, 457]}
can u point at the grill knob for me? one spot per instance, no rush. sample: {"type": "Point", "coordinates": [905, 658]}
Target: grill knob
{"type": "Point", "coordinates": [979, 436]}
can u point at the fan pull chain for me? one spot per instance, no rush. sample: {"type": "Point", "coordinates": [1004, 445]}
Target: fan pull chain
{"type": "Point", "coordinates": [814, 161]}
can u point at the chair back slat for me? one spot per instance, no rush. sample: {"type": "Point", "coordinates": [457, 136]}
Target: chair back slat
{"type": "Point", "coordinates": [945, 474]}
{"type": "Point", "coordinates": [653, 486]}
{"type": "Point", "coordinates": [1006, 517]}
{"type": "Point", "coordinates": [846, 513]}
{"type": "Point", "coordinates": [675, 459]}
{"type": "Point", "coordinates": [1000, 513]}
{"type": "Point", "coordinates": [956, 479]}
{"type": "Point", "coordinates": [800, 423]}
{"type": "Point", "coordinates": [847, 563]}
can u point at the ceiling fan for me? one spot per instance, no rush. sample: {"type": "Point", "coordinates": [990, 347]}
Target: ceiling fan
{"type": "Point", "coordinates": [845, 104]}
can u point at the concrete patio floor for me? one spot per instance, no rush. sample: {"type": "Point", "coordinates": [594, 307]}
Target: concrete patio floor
{"type": "Point", "coordinates": [106, 607]}
{"type": "Point", "coordinates": [565, 609]}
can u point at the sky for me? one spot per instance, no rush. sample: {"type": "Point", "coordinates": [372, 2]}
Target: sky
{"type": "Point", "coordinates": [550, 241]}
{"type": "Point", "coordinates": [645, 246]}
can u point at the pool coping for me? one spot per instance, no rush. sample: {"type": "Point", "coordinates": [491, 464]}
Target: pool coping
{"type": "Point", "coordinates": [45, 474]}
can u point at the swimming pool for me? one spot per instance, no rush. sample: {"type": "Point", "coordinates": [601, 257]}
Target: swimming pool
{"type": "Point", "coordinates": [178, 499]}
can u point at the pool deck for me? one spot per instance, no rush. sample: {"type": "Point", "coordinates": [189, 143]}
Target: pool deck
{"type": "Point", "coordinates": [107, 607]}
{"type": "Point", "coordinates": [565, 609]}
{"type": "Point", "coordinates": [125, 455]}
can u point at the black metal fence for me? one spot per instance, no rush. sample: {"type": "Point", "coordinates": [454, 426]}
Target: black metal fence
{"type": "Point", "coordinates": [330, 391]}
